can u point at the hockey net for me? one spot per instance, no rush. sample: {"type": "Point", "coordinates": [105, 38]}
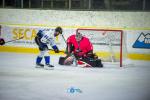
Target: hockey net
{"type": "Point", "coordinates": [108, 44]}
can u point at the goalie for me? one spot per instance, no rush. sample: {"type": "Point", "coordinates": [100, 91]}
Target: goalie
{"type": "Point", "coordinates": [80, 50]}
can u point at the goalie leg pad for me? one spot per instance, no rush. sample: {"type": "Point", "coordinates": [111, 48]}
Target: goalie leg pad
{"type": "Point", "coordinates": [93, 62]}
{"type": "Point", "coordinates": [98, 63]}
{"type": "Point", "coordinates": [66, 60]}
{"type": "Point", "coordinates": [61, 60]}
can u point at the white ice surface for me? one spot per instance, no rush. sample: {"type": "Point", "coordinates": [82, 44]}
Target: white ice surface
{"type": "Point", "coordinates": [19, 80]}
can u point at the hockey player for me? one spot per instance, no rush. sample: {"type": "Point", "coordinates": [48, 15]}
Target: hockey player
{"type": "Point", "coordinates": [43, 39]}
{"type": "Point", "coordinates": [79, 45]}
{"type": "Point", "coordinates": [81, 49]}
{"type": "Point", "coordinates": [2, 41]}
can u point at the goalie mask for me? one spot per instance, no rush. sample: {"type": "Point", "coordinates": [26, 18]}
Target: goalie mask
{"type": "Point", "coordinates": [78, 36]}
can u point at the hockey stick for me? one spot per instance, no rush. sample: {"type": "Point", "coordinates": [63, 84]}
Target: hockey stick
{"type": "Point", "coordinates": [64, 38]}
{"type": "Point", "coordinates": [14, 40]}
{"type": "Point", "coordinates": [59, 51]}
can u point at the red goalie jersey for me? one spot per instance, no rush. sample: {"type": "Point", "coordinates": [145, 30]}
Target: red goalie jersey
{"type": "Point", "coordinates": [79, 45]}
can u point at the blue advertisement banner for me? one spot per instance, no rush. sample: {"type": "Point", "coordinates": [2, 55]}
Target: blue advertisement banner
{"type": "Point", "coordinates": [143, 41]}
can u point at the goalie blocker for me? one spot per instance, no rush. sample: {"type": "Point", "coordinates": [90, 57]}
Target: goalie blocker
{"type": "Point", "coordinates": [85, 61]}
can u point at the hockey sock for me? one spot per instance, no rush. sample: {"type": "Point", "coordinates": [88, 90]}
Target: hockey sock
{"type": "Point", "coordinates": [47, 59]}
{"type": "Point", "coordinates": [38, 60]}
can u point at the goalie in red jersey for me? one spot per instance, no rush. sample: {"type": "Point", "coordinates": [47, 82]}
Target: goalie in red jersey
{"type": "Point", "coordinates": [80, 50]}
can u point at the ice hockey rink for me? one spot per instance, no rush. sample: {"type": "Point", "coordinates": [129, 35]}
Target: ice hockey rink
{"type": "Point", "coordinates": [20, 80]}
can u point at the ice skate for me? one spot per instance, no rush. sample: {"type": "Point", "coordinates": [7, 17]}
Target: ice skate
{"type": "Point", "coordinates": [49, 67]}
{"type": "Point", "coordinates": [39, 65]}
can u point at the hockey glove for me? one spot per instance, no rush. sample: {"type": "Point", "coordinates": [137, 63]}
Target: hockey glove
{"type": "Point", "coordinates": [2, 41]}
{"type": "Point", "coordinates": [55, 49]}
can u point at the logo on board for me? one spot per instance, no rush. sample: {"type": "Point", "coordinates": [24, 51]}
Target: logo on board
{"type": "Point", "coordinates": [143, 41]}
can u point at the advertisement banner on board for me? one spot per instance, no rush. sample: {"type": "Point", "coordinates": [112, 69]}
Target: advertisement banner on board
{"type": "Point", "coordinates": [143, 41]}
{"type": "Point", "coordinates": [11, 32]}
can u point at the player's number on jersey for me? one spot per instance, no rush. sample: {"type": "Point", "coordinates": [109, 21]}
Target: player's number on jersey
{"type": "Point", "coordinates": [45, 39]}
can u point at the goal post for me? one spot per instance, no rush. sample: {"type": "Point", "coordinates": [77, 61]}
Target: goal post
{"type": "Point", "coordinates": [108, 43]}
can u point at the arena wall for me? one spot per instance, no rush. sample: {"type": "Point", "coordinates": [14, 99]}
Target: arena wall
{"type": "Point", "coordinates": [22, 22]}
